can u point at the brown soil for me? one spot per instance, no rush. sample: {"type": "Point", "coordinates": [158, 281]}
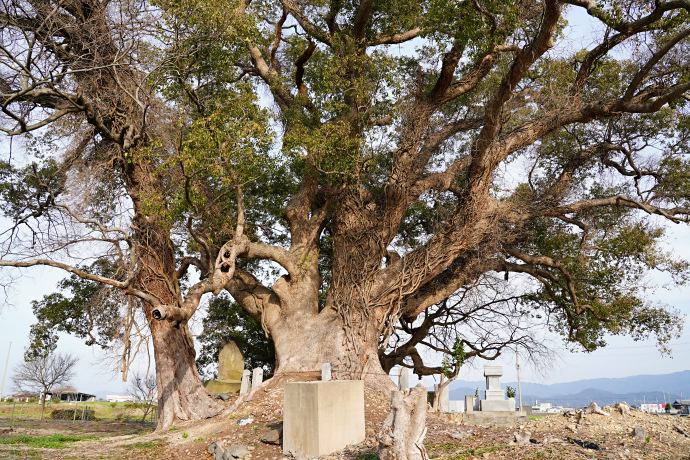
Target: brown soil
{"type": "Point", "coordinates": [554, 436]}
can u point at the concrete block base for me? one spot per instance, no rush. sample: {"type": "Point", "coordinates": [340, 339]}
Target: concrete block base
{"type": "Point", "coordinates": [230, 387]}
{"type": "Point", "coordinates": [497, 405]}
{"type": "Point", "coordinates": [320, 418]}
{"type": "Point", "coordinates": [506, 418]}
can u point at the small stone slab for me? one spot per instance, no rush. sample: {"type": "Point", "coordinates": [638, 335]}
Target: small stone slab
{"type": "Point", "coordinates": [257, 377]}
{"type": "Point", "coordinates": [404, 379]}
{"type": "Point", "coordinates": [325, 371]}
{"type": "Point", "coordinates": [244, 386]}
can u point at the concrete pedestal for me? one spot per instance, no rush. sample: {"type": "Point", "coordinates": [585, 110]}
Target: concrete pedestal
{"type": "Point", "coordinates": [500, 405]}
{"type": "Point", "coordinates": [230, 387]}
{"type": "Point", "coordinates": [322, 417]}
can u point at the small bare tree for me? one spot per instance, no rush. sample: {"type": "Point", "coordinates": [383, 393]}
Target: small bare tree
{"type": "Point", "coordinates": [43, 373]}
{"type": "Point", "coordinates": [143, 388]}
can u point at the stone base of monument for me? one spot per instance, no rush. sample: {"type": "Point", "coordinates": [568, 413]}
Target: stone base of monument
{"type": "Point", "coordinates": [502, 405]}
{"type": "Point", "coordinates": [320, 418]}
{"type": "Point", "coordinates": [497, 418]}
{"type": "Point", "coordinates": [231, 387]}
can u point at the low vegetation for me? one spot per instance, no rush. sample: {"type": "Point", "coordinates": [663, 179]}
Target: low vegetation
{"type": "Point", "coordinates": [95, 410]}
{"type": "Point", "coordinates": [55, 441]}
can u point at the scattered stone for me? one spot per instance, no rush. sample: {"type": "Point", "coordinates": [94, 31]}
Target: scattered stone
{"type": "Point", "coordinates": [236, 451]}
{"type": "Point", "coordinates": [680, 430]}
{"type": "Point", "coordinates": [638, 433]}
{"type": "Point", "coordinates": [211, 448]}
{"type": "Point", "coordinates": [245, 421]}
{"type": "Point", "coordinates": [223, 396]}
{"type": "Point", "coordinates": [572, 428]}
{"type": "Point", "coordinates": [459, 434]}
{"type": "Point", "coordinates": [522, 439]}
{"type": "Point", "coordinates": [273, 437]}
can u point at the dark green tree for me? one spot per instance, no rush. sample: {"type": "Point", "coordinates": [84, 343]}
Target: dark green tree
{"type": "Point", "coordinates": [226, 320]}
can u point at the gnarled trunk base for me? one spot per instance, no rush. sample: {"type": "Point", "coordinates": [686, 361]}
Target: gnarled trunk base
{"type": "Point", "coordinates": [181, 395]}
{"type": "Point", "coordinates": [304, 342]}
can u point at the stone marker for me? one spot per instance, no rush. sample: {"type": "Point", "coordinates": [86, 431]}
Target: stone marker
{"type": "Point", "coordinates": [444, 400]}
{"type": "Point", "coordinates": [320, 418]}
{"type": "Point", "coordinates": [325, 372]}
{"type": "Point", "coordinates": [257, 377]}
{"type": "Point", "coordinates": [495, 397]}
{"type": "Point", "coordinates": [244, 388]}
{"type": "Point", "coordinates": [469, 403]}
{"type": "Point", "coordinates": [404, 379]}
{"type": "Point", "coordinates": [230, 367]}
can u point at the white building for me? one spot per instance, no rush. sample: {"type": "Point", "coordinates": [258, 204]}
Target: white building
{"type": "Point", "coordinates": [654, 408]}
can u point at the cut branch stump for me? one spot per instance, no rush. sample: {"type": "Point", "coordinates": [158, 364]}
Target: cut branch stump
{"type": "Point", "coordinates": [403, 431]}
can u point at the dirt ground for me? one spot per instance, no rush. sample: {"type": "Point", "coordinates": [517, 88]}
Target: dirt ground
{"type": "Point", "coordinates": [553, 436]}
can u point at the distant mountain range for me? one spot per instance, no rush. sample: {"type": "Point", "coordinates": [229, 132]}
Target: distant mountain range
{"type": "Point", "coordinates": [634, 390]}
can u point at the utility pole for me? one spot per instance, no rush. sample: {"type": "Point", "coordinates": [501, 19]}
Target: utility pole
{"type": "Point", "coordinates": [2, 387]}
{"type": "Point", "coordinates": [517, 365]}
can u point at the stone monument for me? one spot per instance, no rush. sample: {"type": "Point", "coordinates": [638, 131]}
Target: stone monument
{"type": "Point", "coordinates": [230, 370]}
{"type": "Point", "coordinates": [495, 397]}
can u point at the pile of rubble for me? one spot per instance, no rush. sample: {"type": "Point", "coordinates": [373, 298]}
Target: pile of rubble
{"type": "Point", "coordinates": [618, 431]}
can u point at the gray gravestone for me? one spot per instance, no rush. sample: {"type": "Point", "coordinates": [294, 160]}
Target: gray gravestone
{"type": "Point", "coordinates": [230, 367]}
{"type": "Point", "coordinates": [244, 388]}
{"type": "Point", "coordinates": [444, 400]}
{"type": "Point", "coordinates": [495, 397]}
{"type": "Point", "coordinates": [257, 377]}
{"type": "Point", "coordinates": [325, 371]}
{"type": "Point", "coordinates": [404, 379]}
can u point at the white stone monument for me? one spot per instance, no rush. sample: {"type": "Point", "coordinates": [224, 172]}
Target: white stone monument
{"type": "Point", "coordinates": [495, 396]}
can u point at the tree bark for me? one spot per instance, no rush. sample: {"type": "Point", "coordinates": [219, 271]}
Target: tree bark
{"type": "Point", "coordinates": [304, 341]}
{"type": "Point", "coordinates": [181, 395]}
{"type": "Point", "coordinates": [403, 431]}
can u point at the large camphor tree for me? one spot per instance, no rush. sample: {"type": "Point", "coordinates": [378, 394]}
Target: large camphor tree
{"type": "Point", "coordinates": [352, 172]}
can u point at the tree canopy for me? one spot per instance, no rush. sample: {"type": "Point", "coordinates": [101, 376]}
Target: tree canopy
{"type": "Point", "coordinates": [363, 178]}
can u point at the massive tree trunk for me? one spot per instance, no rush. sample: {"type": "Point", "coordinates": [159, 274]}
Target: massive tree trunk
{"type": "Point", "coordinates": [304, 341]}
{"type": "Point", "coordinates": [181, 394]}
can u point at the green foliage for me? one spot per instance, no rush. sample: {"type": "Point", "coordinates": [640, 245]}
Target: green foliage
{"type": "Point", "coordinates": [453, 362]}
{"type": "Point", "coordinates": [225, 321]}
{"type": "Point", "coordinates": [84, 308]}
{"type": "Point", "coordinates": [510, 391]}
